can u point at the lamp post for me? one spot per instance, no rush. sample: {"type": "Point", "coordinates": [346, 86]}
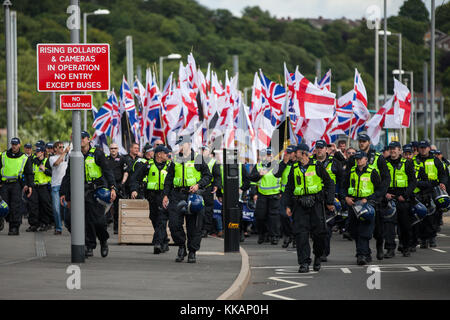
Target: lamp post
{"type": "Point", "coordinates": [172, 56]}
{"type": "Point", "coordinates": [85, 15]}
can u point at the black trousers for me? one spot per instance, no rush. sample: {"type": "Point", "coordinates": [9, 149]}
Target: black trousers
{"type": "Point", "coordinates": [159, 217]}
{"type": "Point", "coordinates": [12, 194]}
{"type": "Point", "coordinates": [286, 222]}
{"type": "Point", "coordinates": [41, 210]}
{"type": "Point", "coordinates": [309, 221]}
{"type": "Point", "coordinates": [378, 232]}
{"type": "Point", "coordinates": [194, 223]}
{"type": "Point", "coordinates": [95, 221]}
{"type": "Point", "coordinates": [405, 230]}
{"type": "Point", "coordinates": [208, 221]}
{"type": "Point", "coordinates": [361, 232]}
{"type": "Point", "coordinates": [389, 231]}
{"type": "Point", "coordinates": [267, 214]}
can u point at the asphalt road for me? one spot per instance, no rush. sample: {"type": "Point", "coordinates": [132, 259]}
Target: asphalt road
{"type": "Point", "coordinates": [424, 275]}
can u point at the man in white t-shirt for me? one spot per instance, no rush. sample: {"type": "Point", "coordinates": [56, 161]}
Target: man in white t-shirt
{"type": "Point", "coordinates": [58, 162]}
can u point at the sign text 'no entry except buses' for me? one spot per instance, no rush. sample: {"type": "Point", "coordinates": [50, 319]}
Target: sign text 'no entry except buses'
{"type": "Point", "coordinates": [73, 67]}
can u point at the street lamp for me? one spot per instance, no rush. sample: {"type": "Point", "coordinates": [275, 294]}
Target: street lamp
{"type": "Point", "coordinates": [411, 76]}
{"type": "Point", "coordinates": [172, 56]}
{"type": "Point", "coordinates": [85, 15]}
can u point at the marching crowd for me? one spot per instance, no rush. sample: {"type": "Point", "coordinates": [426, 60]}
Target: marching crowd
{"type": "Point", "coordinates": [399, 192]}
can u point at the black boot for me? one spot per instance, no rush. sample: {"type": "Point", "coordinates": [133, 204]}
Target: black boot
{"type": "Point", "coordinates": [286, 242]}
{"type": "Point", "coordinates": [165, 247]}
{"type": "Point", "coordinates": [191, 257]}
{"type": "Point", "coordinates": [104, 250]}
{"type": "Point", "coordinates": [88, 252]}
{"type": "Point", "coordinates": [32, 229]}
{"type": "Point", "coordinates": [2, 224]}
{"type": "Point", "coordinates": [274, 240]}
{"type": "Point", "coordinates": [260, 238]}
{"type": "Point", "coordinates": [432, 242]}
{"type": "Point", "coordinates": [181, 254]}
{"type": "Point", "coordinates": [361, 260]}
{"type": "Point", "coordinates": [390, 253]}
{"type": "Point", "coordinates": [13, 232]}
{"type": "Point", "coordinates": [406, 252]}
{"type": "Point", "coordinates": [304, 268]}
{"type": "Point", "coordinates": [380, 252]}
{"type": "Point", "coordinates": [423, 244]}
{"type": "Point", "coordinates": [316, 265]}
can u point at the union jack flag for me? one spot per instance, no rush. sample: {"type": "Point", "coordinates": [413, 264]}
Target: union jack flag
{"type": "Point", "coordinates": [104, 117]}
{"type": "Point", "coordinates": [325, 82]}
{"type": "Point", "coordinates": [127, 102]}
{"type": "Point", "coordinates": [274, 98]}
{"type": "Point", "coordinates": [154, 129]}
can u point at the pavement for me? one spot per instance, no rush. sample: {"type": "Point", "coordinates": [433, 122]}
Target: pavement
{"type": "Point", "coordinates": [36, 266]}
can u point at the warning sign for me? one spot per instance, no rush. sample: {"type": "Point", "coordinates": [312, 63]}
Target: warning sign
{"type": "Point", "coordinates": [75, 101]}
{"type": "Point", "coordinates": [73, 67]}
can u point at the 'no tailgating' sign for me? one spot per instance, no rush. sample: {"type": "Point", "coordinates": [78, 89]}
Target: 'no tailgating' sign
{"type": "Point", "coordinates": [73, 67]}
{"type": "Point", "coordinates": [75, 101]}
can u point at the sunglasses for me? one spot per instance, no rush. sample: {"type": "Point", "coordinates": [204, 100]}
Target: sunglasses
{"type": "Point", "coordinates": [113, 148]}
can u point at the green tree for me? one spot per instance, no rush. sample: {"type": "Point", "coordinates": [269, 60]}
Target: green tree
{"type": "Point", "coordinates": [414, 9]}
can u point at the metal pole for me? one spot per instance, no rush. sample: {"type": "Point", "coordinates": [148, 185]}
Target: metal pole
{"type": "Point", "coordinates": [76, 163]}
{"type": "Point", "coordinates": [385, 52]}
{"type": "Point", "coordinates": [130, 68]}
{"type": "Point", "coordinates": [14, 69]}
{"type": "Point", "coordinates": [85, 41]}
{"type": "Point", "coordinates": [433, 138]}
{"type": "Point", "coordinates": [9, 75]}
{"type": "Point", "coordinates": [161, 59]}
{"type": "Point", "coordinates": [377, 71]}
{"type": "Point", "coordinates": [413, 107]}
{"type": "Point", "coordinates": [425, 100]}
{"type": "Point", "coordinates": [53, 102]}
{"type": "Point", "coordinates": [236, 67]}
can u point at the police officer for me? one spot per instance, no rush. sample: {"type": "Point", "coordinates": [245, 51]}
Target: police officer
{"type": "Point", "coordinates": [378, 163]}
{"type": "Point", "coordinates": [267, 174]}
{"type": "Point", "coordinates": [187, 174]}
{"type": "Point", "coordinates": [208, 194]}
{"type": "Point", "coordinates": [120, 170]}
{"type": "Point", "coordinates": [403, 183]}
{"type": "Point", "coordinates": [286, 222]}
{"type": "Point", "coordinates": [28, 149]}
{"type": "Point", "coordinates": [15, 164]}
{"type": "Point", "coordinates": [130, 159]}
{"type": "Point", "coordinates": [139, 163]}
{"type": "Point", "coordinates": [41, 213]}
{"type": "Point", "coordinates": [98, 174]}
{"type": "Point", "coordinates": [309, 185]}
{"type": "Point", "coordinates": [334, 169]}
{"type": "Point", "coordinates": [434, 176]}
{"type": "Point", "coordinates": [362, 183]}
{"type": "Point", "coordinates": [155, 171]}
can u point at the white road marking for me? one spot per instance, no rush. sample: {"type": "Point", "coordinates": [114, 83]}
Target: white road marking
{"type": "Point", "coordinates": [442, 235]}
{"type": "Point", "coordinates": [271, 293]}
{"type": "Point", "coordinates": [346, 270]}
{"type": "Point", "coordinates": [210, 253]}
{"type": "Point", "coordinates": [427, 269]}
{"type": "Point", "coordinates": [438, 250]}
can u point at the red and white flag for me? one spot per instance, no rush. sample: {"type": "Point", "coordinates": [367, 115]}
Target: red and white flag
{"type": "Point", "coordinates": [376, 123]}
{"type": "Point", "coordinates": [310, 102]}
{"type": "Point", "coordinates": [402, 103]}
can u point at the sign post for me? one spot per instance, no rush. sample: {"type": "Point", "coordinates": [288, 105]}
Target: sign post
{"type": "Point", "coordinates": [74, 67]}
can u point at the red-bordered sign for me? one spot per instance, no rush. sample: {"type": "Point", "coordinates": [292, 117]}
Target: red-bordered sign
{"type": "Point", "coordinates": [73, 67]}
{"type": "Point", "coordinates": [75, 102]}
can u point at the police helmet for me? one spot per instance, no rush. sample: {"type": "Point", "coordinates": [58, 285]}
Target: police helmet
{"type": "Point", "coordinates": [103, 196]}
{"type": "Point", "coordinates": [4, 209]}
{"type": "Point", "coordinates": [441, 199]}
{"type": "Point", "coordinates": [390, 209]}
{"type": "Point", "coordinates": [195, 203]}
{"type": "Point", "coordinates": [364, 211]}
{"type": "Point", "coordinates": [418, 212]}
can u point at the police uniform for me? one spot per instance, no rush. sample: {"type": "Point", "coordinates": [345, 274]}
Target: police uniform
{"type": "Point", "coordinates": [307, 188]}
{"type": "Point", "coordinates": [267, 212]}
{"type": "Point", "coordinates": [208, 197]}
{"type": "Point", "coordinates": [434, 175]}
{"type": "Point", "coordinates": [377, 162]}
{"type": "Point", "coordinates": [41, 213]}
{"type": "Point", "coordinates": [403, 182]}
{"type": "Point", "coordinates": [363, 184]}
{"type": "Point", "coordinates": [286, 222]}
{"type": "Point", "coordinates": [154, 174]}
{"type": "Point", "coordinates": [98, 174]}
{"type": "Point", "coordinates": [335, 170]}
{"type": "Point", "coordinates": [185, 171]}
{"type": "Point", "coordinates": [15, 169]}
{"type": "Point", "coordinates": [119, 167]}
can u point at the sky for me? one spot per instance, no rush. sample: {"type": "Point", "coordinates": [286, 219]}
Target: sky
{"type": "Point", "coordinates": [331, 9]}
